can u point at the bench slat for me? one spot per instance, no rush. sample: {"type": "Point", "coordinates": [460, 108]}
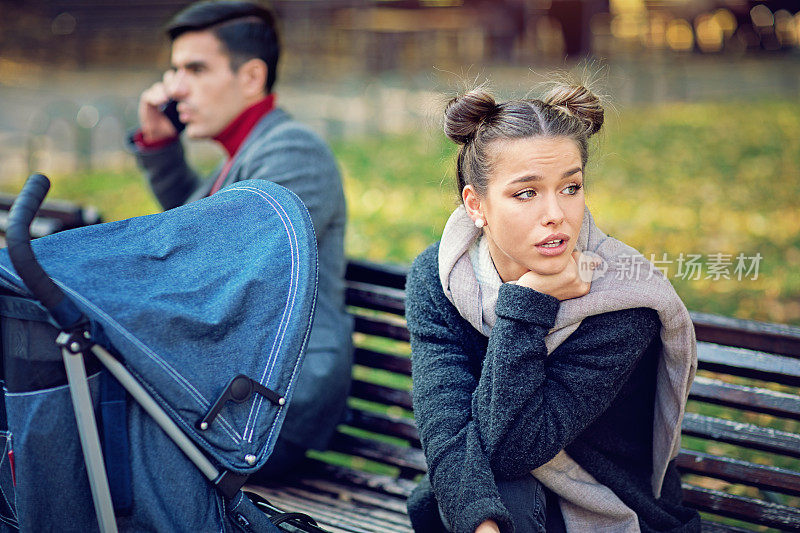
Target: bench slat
{"type": "Point", "coordinates": [377, 516]}
{"type": "Point", "coordinates": [749, 398]}
{"type": "Point", "coordinates": [385, 425]}
{"type": "Point", "coordinates": [760, 336]}
{"type": "Point", "coordinates": [376, 273]}
{"type": "Point", "coordinates": [367, 496]}
{"type": "Point", "coordinates": [382, 361]}
{"type": "Point", "coordinates": [380, 394]}
{"type": "Point", "coordinates": [293, 525]}
{"type": "Point", "coordinates": [332, 515]}
{"type": "Point", "coordinates": [333, 522]}
{"type": "Point", "coordinates": [40, 226]}
{"type": "Point", "coordinates": [715, 527]}
{"type": "Point", "coordinates": [380, 328]}
{"type": "Point", "coordinates": [409, 461]}
{"type": "Point", "coordinates": [396, 487]}
{"type": "Point", "coordinates": [737, 471]}
{"type": "Point", "coordinates": [721, 503]}
{"type": "Point", "coordinates": [67, 214]}
{"type": "Point", "coordinates": [742, 434]}
{"type": "Point", "coordinates": [749, 364]}
{"type": "Point", "coordinates": [375, 297]}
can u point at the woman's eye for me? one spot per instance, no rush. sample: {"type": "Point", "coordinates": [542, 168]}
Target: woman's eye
{"type": "Point", "coordinates": [573, 189]}
{"type": "Point", "coordinates": [526, 194]}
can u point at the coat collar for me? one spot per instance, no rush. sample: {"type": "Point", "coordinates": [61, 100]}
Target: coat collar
{"type": "Point", "coordinates": [269, 122]}
{"type": "Point", "coordinates": [235, 133]}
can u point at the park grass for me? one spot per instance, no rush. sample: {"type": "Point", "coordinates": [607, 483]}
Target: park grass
{"type": "Point", "coordinates": [669, 179]}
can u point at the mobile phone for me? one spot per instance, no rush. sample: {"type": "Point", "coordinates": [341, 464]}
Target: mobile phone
{"type": "Point", "coordinates": [170, 110]}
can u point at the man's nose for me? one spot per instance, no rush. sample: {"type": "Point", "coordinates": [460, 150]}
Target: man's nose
{"type": "Point", "coordinates": [178, 87]}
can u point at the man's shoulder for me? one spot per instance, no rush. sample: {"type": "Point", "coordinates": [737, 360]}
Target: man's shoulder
{"type": "Point", "coordinates": [280, 126]}
{"type": "Point", "coordinates": [280, 142]}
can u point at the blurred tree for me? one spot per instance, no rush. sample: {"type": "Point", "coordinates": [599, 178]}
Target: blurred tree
{"type": "Point", "coordinates": [575, 17]}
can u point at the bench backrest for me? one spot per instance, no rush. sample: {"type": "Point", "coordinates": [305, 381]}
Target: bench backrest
{"type": "Point", "coordinates": [741, 457]}
{"type": "Point", "coordinates": [53, 216]}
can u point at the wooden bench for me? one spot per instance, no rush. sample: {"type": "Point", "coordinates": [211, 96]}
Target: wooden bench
{"type": "Point", "coordinates": [743, 417]}
{"type": "Point", "coordinates": [741, 456]}
{"type": "Point", "coordinates": [53, 216]}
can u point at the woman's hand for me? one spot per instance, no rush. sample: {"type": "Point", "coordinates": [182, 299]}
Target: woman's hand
{"type": "Point", "coordinates": [488, 526]}
{"type": "Point", "coordinates": [562, 285]}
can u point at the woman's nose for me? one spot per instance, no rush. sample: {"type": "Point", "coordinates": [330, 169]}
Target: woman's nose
{"type": "Point", "coordinates": [553, 213]}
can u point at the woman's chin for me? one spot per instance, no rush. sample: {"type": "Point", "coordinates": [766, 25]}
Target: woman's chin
{"type": "Point", "coordinates": [549, 267]}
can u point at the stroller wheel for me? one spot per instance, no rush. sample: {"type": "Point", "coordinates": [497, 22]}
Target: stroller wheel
{"type": "Point", "coordinates": [283, 517]}
{"type": "Point", "coordinates": [302, 521]}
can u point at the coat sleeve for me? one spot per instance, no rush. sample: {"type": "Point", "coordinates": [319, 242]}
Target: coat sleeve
{"type": "Point", "coordinates": [170, 177]}
{"type": "Point", "coordinates": [528, 406]}
{"type": "Point", "coordinates": [443, 382]}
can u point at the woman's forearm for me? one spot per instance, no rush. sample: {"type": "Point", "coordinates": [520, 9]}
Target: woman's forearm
{"type": "Point", "coordinates": [528, 405]}
{"type": "Point", "coordinates": [444, 378]}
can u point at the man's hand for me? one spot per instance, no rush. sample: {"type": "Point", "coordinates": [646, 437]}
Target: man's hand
{"type": "Point", "coordinates": [488, 526]}
{"type": "Point", "coordinates": [562, 285]}
{"type": "Point", "coordinates": [155, 125]}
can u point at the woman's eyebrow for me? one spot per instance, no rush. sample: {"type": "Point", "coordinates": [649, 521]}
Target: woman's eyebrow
{"type": "Point", "coordinates": [526, 178]}
{"type": "Point", "coordinates": [536, 177]}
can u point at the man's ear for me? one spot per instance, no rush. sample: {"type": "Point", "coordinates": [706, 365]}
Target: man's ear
{"type": "Point", "coordinates": [252, 76]}
{"type": "Point", "coordinates": [472, 203]}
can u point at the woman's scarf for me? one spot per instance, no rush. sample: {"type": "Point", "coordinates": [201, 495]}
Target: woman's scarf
{"type": "Point", "coordinates": [624, 280]}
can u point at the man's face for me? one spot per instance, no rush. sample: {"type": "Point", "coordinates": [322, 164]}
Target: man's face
{"type": "Point", "coordinates": [209, 94]}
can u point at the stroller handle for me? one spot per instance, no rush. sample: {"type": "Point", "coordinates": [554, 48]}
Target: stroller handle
{"type": "Point", "coordinates": [18, 238]}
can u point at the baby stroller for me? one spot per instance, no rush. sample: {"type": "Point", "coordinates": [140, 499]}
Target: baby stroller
{"type": "Point", "coordinates": [191, 326]}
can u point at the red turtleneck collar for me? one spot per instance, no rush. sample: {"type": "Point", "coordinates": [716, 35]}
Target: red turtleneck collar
{"type": "Point", "coordinates": [232, 137]}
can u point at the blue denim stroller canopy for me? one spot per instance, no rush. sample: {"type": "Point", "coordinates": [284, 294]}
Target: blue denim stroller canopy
{"type": "Point", "coordinates": [191, 298]}
{"type": "Point", "coordinates": [194, 296]}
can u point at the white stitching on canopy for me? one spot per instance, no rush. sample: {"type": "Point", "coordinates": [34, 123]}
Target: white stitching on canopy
{"type": "Point", "coordinates": [287, 310]}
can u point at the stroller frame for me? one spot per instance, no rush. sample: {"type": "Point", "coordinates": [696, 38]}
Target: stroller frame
{"type": "Point", "coordinates": [75, 341]}
{"type": "Point", "coordinates": [73, 346]}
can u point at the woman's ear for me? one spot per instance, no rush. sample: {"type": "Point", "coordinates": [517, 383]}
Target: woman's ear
{"type": "Point", "coordinates": [472, 203]}
{"type": "Point", "coordinates": [253, 77]}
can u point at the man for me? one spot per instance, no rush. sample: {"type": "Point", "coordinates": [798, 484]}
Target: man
{"type": "Point", "coordinates": [224, 59]}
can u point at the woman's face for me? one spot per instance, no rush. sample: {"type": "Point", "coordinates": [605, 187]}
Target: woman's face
{"type": "Point", "coordinates": [533, 207]}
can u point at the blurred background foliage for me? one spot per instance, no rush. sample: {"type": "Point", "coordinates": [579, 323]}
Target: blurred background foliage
{"type": "Point", "coordinates": [699, 155]}
{"type": "Point", "coordinates": [668, 179]}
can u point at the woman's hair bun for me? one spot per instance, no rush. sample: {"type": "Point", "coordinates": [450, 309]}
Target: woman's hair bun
{"type": "Point", "coordinates": [464, 114]}
{"type": "Point", "coordinates": [578, 101]}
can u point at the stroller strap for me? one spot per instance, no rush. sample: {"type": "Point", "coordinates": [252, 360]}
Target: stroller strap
{"type": "Point", "coordinates": [23, 309]}
{"type": "Point", "coordinates": [114, 417]}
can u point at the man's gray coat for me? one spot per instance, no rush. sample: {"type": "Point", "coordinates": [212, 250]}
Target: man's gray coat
{"type": "Point", "coordinates": [282, 150]}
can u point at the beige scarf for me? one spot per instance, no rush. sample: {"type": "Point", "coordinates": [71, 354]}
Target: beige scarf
{"type": "Point", "coordinates": [628, 280]}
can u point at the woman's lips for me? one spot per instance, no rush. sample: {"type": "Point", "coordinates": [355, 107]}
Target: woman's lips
{"type": "Point", "coordinates": [553, 250]}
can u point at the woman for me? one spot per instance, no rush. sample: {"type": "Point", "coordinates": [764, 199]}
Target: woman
{"type": "Point", "coordinates": [546, 398]}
